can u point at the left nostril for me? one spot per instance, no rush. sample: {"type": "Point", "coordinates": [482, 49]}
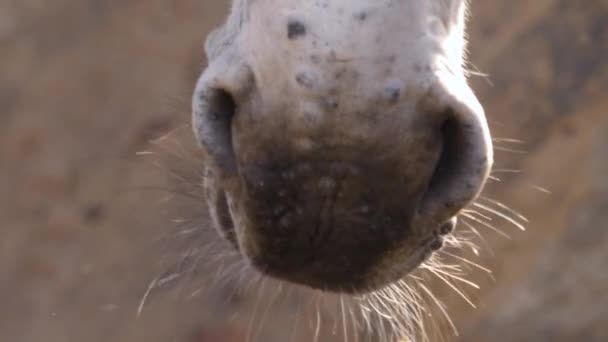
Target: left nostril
{"type": "Point", "coordinates": [213, 110]}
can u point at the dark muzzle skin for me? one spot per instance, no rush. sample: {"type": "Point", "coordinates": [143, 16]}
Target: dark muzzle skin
{"type": "Point", "coordinates": [325, 222]}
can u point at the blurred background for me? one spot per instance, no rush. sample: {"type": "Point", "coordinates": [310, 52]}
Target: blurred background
{"type": "Point", "coordinates": [86, 84]}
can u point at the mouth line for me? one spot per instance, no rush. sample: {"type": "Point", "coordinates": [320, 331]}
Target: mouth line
{"type": "Point", "coordinates": [353, 284]}
{"type": "Point", "coordinates": [358, 285]}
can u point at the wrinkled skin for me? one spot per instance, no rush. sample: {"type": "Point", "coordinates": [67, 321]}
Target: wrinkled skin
{"type": "Point", "coordinates": [342, 138]}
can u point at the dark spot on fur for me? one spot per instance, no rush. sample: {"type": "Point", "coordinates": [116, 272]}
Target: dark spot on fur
{"type": "Point", "coordinates": [93, 213]}
{"type": "Point", "coordinates": [361, 16]}
{"type": "Point", "coordinates": [392, 94]}
{"type": "Point", "coordinates": [330, 104]}
{"type": "Point", "coordinates": [295, 29]}
{"type": "Point", "coordinates": [305, 79]}
{"type": "Point", "coordinates": [332, 57]}
{"type": "Point", "coordinates": [310, 117]}
{"type": "Point", "coordinates": [340, 73]}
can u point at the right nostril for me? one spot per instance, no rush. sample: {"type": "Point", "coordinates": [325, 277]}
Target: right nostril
{"type": "Point", "coordinates": [452, 144]}
{"type": "Point", "coordinates": [449, 163]}
{"type": "Point", "coordinates": [460, 171]}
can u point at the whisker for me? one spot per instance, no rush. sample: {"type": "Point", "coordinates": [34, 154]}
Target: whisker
{"type": "Point", "coordinates": [343, 318]}
{"type": "Point", "coordinates": [500, 214]}
{"type": "Point", "coordinates": [479, 236]}
{"type": "Point", "coordinates": [505, 207]}
{"type": "Point", "coordinates": [477, 213]}
{"type": "Point", "coordinates": [506, 171]}
{"type": "Point", "coordinates": [541, 189]}
{"type": "Point", "coordinates": [192, 196]}
{"type": "Point", "coordinates": [455, 277]}
{"type": "Point", "coordinates": [272, 300]}
{"type": "Point", "coordinates": [484, 224]}
{"type": "Point", "coordinates": [510, 150]}
{"type": "Point", "coordinates": [493, 178]}
{"type": "Point", "coordinates": [467, 261]}
{"type": "Point", "coordinates": [408, 305]}
{"type": "Point", "coordinates": [508, 140]}
{"type": "Point", "coordinates": [255, 311]}
{"type": "Point", "coordinates": [441, 307]}
{"type": "Point", "coordinates": [143, 300]}
{"type": "Point", "coordinates": [318, 324]}
{"type": "Point", "coordinates": [296, 318]}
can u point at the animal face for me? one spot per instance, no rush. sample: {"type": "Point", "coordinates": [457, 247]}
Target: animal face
{"type": "Point", "coordinates": [342, 139]}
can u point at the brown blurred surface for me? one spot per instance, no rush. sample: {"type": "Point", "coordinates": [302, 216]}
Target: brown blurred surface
{"type": "Point", "coordinates": [84, 85]}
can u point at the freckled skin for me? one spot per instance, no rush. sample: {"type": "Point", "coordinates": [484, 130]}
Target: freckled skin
{"type": "Point", "coordinates": [335, 127]}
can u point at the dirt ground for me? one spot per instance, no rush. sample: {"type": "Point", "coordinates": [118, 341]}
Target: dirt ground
{"type": "Point", "coordinates": [85, 85]}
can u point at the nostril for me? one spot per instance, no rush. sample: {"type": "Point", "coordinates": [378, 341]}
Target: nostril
{"type": "Point", "coordinates": [452, 145]}
{"type": "Point", "coordinates": [214, 109]}
{"type": "Point", "coordinates": [461, 169]}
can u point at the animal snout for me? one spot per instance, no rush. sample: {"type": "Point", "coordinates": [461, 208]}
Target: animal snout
{"type": "Point", "coordinates": [362, 202]}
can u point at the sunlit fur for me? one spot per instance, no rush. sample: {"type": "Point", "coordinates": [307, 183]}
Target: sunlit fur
{"type": "Point", "coordinates": [404, 311]}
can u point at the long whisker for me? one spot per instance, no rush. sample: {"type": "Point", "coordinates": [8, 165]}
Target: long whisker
{"type": "Point", "coordinates": [500, 214]}
{"type": "Point", "coordinates": [265, 315]}
{"type": "Point", "coordinates": [508, 140]}
{"type": "Point", "coordinates": [318, 322]}
{"type": "Point", "coordinates": [467, 261]}
{"type": "Point", "coordinates": [345, 330]}
{"type": "Point", "coordinates": [484, 224]}
{"type": "Point", "coordinates": [441, 307]}
{"type": "Point", "coordinates": [477, 213]}
{"type": "Point", "coordinates": [255, 311]}
{"type": "Point", "coordinates": [505, 207]}
{"type": "Point", "coordinates": [455, 277]}
{"type": "Point", "coordinates": [510, 150]}
{"type": "Point", "coordinates": [144, 298]}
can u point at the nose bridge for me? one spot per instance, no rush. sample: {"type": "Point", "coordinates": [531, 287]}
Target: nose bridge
{"type": "Point", "coordinates": [356, 47]}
